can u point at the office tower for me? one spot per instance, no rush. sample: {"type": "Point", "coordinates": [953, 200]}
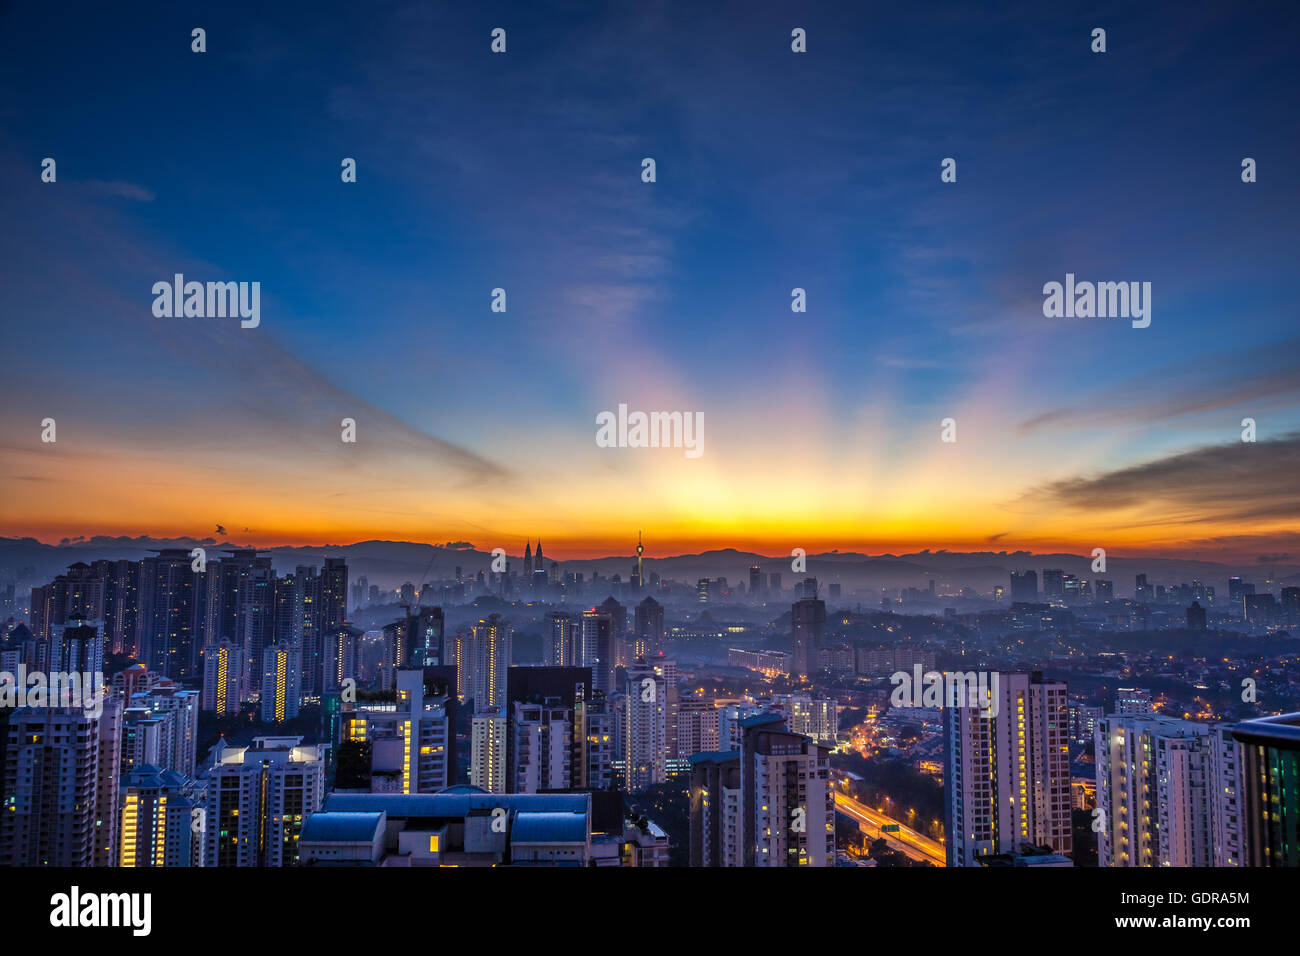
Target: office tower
{"type": "Point", "coordinates": [482, 669]}
{"type": "Point", "coordinates": [1260, 608]}
{"type": "Point", "coordinates": [488, 750]}
{"type": "Point", "coordinates": [1141, 590]}
{"type": "Point", "coordinates": [703, 587]}
{"type": "Point", "coordinates": [562, 650]}
{"type": "Point", "coordinates": [223, 674]}
{"type": "Point", "coordinates": [755, 580]}
{"type": "Point", "coordinates": [1053, 583]}
{"type": "Point", "coordinates": [1103, 591]}
{"type": "Point", "coordinates": [645, 726]}
{"type": "Point", "coordinates": [528, 560]}
{"type": "Point", "coordinates": [1195, 617]}
{"type": "Point", "coordinates": [808, 626]}
{"type": "Point", "coordinates": [1133, 700]}
{"type": "Point", "coordinates": [50, 794]}
{"type": "Point", "coordinates": [814, 717]}
{"type": "Point", "coordinates": [412, 745]}
{"type": "Point", "coordinates": [836, 590]}
{"type": "Point", "coordinates": [159, 826]}
{"type": "Point", "coordinates": [1270, 773]}
{"type": "Point", "coordinates": [281, 694]}
{"type": "Point", "coordinates": [774, 583]}
{"type": "Point", "coordinates": [256, 798]}
{"type": "Point", "coordinates": [1238, 590]}
{"type": "Point", "coordinates": [1024, 586]}
{"type": "Point", "coordinates": [538, 577]}
{"type": "Point", "coordinates": [649, 628]}
{"type": "Point", "coordinates": [1158, 791]}
{"type": "Point", "coordinates": [598, 647]}
{"type": "Point", "coordinates": [1290, 606]}
{"type": "Point", "coordinates": [1007, 774]}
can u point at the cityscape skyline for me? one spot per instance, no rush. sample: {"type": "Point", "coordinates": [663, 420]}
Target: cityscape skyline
{"type": "Point", "coordinates": [682, 436]}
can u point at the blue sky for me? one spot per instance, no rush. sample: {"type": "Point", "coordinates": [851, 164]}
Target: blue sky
{"type": "Point", "coordinates": [775, 170]}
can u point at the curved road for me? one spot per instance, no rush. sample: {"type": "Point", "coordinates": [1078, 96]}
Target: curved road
{"type": "Point", "coordinates": [906, 840]}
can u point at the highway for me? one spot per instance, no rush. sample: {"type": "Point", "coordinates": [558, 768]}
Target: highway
{"type": "Point", "coordinates": [906, 840]}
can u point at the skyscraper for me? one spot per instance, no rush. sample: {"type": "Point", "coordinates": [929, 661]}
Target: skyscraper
{"type": "Point", "coordinates": [281, 672]}
{"type": "Point", "coordinates": [223, 673]}
{"type": "Point", "coordinates": [561, 640]}
{"type": "Point", "coordinates": [413, 745]}
{"type": "Point", "coordinates": [167, 640]}
{"type": "Point", "coordinates": [488, 750]}
{"type": "Point", "coordinates": [1007, 770]}
{"type": "Point", "coordinates": [598, 647]}
{"type": "Point", "coordinates": [256, 798]}
{"type": "Point", "coordinates": [158, 820]}
{"type": "Point", "coordinates": [648, 628]}
{"type": "Point", "coordinates": [808, 626]}
{"type": "Point", "coordinates": [1163, 788]}
{"type": "Point", "coordinates": [1024, 586]}
{"type": "Point", "coordinates": [487, 656]}
{"type": "Point", "coordinates": [50, 794]}
{"type": "Point", "coordinates": [786, 804]}
{"type": "Point", "coordinates": [645, 726]}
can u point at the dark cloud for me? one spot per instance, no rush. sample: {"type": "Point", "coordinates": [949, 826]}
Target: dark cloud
{"type": "Point", "coordinates": [1235, 482]}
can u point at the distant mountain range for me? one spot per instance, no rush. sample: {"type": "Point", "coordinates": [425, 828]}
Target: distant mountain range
{"type": "Point", "coordinates": [392, 563]}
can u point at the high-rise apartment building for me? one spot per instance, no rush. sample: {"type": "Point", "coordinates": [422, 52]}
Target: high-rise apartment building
{"type": "Point", "coordinates": [256, 799]}
{"type": "Point", "coordinates": [1166, 792]}
{"type": "Point", "coordinates": [487, 769]}
{"type": "Point", "coordinates": [1007, 770]}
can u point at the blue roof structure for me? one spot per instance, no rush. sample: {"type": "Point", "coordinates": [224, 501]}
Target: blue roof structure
{"type": "Point", "coordinates": [548, 827]}
{"type": "Point", "coordinates": [341, 827]}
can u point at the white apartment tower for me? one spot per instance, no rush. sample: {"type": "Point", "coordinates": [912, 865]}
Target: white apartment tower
{"type": "Point", "coordinates": [1007, 771]}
